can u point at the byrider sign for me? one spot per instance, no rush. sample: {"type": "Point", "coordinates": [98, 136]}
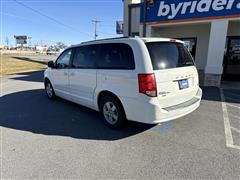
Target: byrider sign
{"type": "Point", "coordinates": [167, 11]}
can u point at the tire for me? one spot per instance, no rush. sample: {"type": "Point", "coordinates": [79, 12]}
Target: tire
{"type": "Point", "coordinates": [112, 112]}
{"type": "Point", "coordinates": [49, 90]}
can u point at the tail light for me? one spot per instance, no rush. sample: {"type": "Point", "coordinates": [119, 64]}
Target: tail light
{"type": "Point", "coordinates": [147, 84]}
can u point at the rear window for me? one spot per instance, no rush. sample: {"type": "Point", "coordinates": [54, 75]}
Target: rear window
{"type": "Point", "coordinates": [166, 55]}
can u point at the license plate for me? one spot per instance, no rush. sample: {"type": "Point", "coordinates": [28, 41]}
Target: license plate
{"type": "Point", "coordinates": [183, 84]}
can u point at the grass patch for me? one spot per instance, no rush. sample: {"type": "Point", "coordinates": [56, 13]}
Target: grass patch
{"type": "Point", "coordinates": [13, 65]}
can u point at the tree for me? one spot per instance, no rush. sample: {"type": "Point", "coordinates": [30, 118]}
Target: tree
{"type": "Point", "coordinates": [61, 45]}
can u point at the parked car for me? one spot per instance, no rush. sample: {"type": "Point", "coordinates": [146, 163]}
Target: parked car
{"type": "Point", "coordinates": [149, 80]}
{"type": "Point", "coordinates": [51, 52]}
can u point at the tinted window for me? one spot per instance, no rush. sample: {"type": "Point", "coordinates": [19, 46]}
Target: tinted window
{"type": "Point", "coordinates": [85, 57]}
{"type": "Point", "coordinates": [116, 56]}
{"type": "Point", "coordinates": [169, 55]}
{"type": "Point", "coordinates": [64, 59]}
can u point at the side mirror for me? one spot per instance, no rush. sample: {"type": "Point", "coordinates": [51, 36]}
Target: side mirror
{"type": "Point", "coordinates": [51, 64]}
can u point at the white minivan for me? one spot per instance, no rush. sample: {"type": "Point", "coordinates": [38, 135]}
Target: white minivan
{"type": "Point", "coordinates": [149, 80]}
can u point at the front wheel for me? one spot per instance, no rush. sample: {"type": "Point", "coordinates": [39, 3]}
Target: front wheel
{"type": "Point", "coordinates": [112, 112]}
{"type": "Point", "coordinates": [49, 90]}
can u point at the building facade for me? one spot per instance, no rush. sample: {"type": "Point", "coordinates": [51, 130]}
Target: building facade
{"type": "Point", "coordinates": [210, 30]}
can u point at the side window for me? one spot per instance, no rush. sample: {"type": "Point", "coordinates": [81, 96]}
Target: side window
{"type": "Point", "coordinates": [116, 56]}
{"type": "Point", "coordinates": [64, 60]}
{"type": "Point", "coordinates": [85, 57]}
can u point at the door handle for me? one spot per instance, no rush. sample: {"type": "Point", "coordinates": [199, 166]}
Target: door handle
{"type": "Point", "coordinates": [65, 74]}
{"type": "Point", "coordinates": [72, 74]}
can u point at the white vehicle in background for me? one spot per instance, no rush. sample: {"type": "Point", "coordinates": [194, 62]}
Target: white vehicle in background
{"type": "Point", "coordinates": [149, 80]}
{"type": "Point", "coordinates": [51, 52]}
{"type": "Point", "coordinates": [61, 50]}
{"type": "Point", "coordinates": [41, 49]}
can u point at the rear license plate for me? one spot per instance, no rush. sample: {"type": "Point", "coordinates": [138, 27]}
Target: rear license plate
{"type": "Point", "coordinates": [183, 84]}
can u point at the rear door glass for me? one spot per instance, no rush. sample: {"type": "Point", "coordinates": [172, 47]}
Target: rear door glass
{"type": "Point", "coordinates": [166, 55]}
{"type": "Point", "coordinates": [85, 57]}
{"type": "Point", "coordinates": [116, 56]}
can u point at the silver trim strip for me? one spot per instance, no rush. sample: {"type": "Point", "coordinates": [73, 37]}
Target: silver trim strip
{"type": "Point", "coordinates": [185, 104]}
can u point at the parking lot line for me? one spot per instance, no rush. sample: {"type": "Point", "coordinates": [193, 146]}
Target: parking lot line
{"type": "Point", "coordinates": [227, 126]}
{"type": "Point", "coordinates": [228, 133]}
{"type": "Point", "coordinates": [235, 129]}
{"type": "Point", "coordinates": [233, 105]}
{"type": "Point", "coordinates": [234, 146]}
{"type": "Point", "coordinates": [236, 117]}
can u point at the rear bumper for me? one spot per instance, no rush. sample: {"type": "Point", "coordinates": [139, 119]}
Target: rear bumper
{"type": "Point", "coordinates": [151, 112]}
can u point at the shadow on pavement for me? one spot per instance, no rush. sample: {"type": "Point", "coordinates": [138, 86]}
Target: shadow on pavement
{"type": "Point", "coordinates": [36, 76]}
{"type": "Point", "coordinates": [29, 59]}
{"type": "Point", "coordinates": [213, 94]}
{"type": "Point", "coordinates": [32, 111]}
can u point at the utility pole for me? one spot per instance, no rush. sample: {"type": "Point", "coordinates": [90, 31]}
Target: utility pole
{"type": "Point", "coordinates": [95, 25]}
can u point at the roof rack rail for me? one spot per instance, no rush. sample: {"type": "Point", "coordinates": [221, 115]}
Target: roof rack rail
{"type": "Point", "coordinates": [105, 39]}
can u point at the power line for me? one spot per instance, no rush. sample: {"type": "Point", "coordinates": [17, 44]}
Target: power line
{"type": "Point", "coordinates": [15, 16]}
{"type": "Point", "coordinates": [48, 17]}
{"type": "Point", "coordinates": [30, 20]}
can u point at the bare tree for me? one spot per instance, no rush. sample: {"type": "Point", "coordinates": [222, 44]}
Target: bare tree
{"type": "Point", "coordinates": [61, 45]}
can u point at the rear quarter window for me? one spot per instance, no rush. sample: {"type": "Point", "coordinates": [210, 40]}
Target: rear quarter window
{"type": "Point", "coordinates": [166, 55]}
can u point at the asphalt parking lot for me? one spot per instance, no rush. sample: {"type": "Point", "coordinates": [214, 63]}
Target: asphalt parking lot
{"type": "Point", "coordinates": [58, 139]}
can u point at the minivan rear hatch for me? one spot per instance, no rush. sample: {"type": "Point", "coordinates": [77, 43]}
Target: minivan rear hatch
{"type": "Point", "coordinates": [175, 72]}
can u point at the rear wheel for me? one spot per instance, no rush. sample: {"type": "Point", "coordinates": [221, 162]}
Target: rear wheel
{"type": "Point", "coordinates": [112, 112]}
{"type": "Point", "coordinates": [49, 90]}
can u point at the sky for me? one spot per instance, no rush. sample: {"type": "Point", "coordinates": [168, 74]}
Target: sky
{"type": "Point", "coordinates": [51, 21]}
